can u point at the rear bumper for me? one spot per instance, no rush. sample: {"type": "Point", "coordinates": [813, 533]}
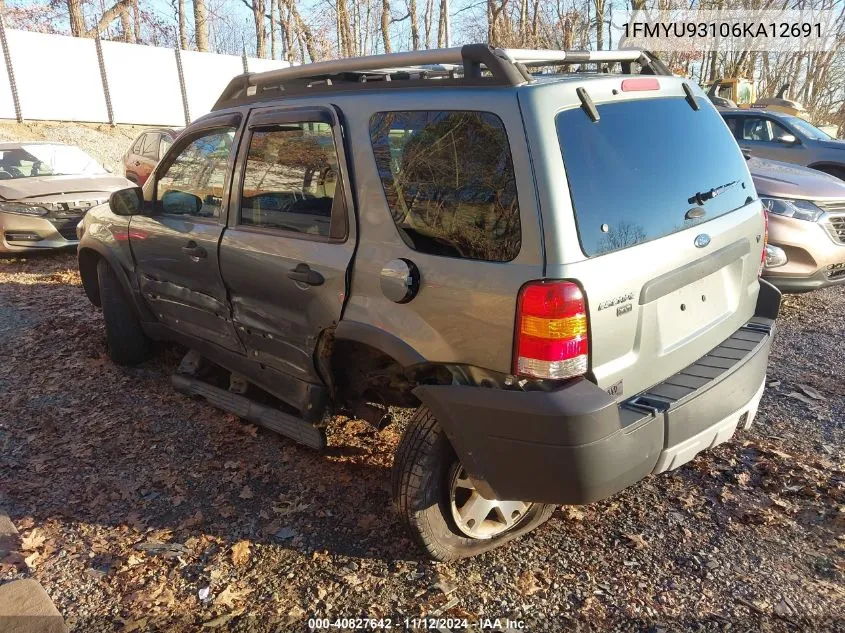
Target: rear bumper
{"type": "Point", "coordinates": [577, 445]}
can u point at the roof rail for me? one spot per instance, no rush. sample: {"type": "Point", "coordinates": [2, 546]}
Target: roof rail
{"type": "Point", "coordinates": [505, 66]}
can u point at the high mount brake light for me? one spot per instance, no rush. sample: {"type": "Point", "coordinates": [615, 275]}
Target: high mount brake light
{"type": "Point", "coordinates": [639, 84]}
{"type": "Point", "coordinates": [551, 331]}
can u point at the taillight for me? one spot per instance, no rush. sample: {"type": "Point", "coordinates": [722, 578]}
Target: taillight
{"type": "Point", "coordinates": [765, 241]}
{"type": "Point", "coordinates": [551, 331]}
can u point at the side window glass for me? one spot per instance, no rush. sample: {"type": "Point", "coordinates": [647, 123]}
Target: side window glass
{"type": "Point", "coordinates": [291, 181]}
{"type": "Point", "coordinates": [193, 184]}
{"type": "Point", "coordinates": [756, 130]}
{"type": "Point", "coordinates": [165, 144]}
{"type": "Point", "coordinates": [778, 130]}
{"type": "Point", "coordinates": [139, 143]}
{"type": "Point", "coordinates": [449, 182]}
{"type": "Point", "coordinates": [150, 146]}
{"type": "Point", "coordinates": [733, 125]}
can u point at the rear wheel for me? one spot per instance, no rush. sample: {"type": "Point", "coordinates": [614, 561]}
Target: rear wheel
{"type": "Point", "coordinates": [439, 504]}
{"type": "Point", "coordinates": [126, 341]}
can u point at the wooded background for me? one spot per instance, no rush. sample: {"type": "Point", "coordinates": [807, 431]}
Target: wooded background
{"type": "Point", "coordinates": [313, 30]}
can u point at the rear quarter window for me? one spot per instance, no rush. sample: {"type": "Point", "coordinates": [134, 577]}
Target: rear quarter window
{"type": "Point", "coordinates": [449, 181]}
{"type": "Point", "coordinates": [635, 172]}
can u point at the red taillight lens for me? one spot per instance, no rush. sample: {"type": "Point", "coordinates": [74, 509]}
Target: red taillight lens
{"type": "Point", "coordinates": [551, 331]}
{"type": "Point", "coordinates": [765, 241]}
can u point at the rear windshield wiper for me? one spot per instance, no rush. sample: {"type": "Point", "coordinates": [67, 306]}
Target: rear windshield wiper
{"type": "Point", "coordinates": [703, 196]}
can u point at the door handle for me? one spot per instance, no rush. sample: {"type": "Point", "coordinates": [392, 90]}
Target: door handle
{"type": "Point", "coordinates": [303, 274]}
{"type": "Point", "coordinates": [193, 250]}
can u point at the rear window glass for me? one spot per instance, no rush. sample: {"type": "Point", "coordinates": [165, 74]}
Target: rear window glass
{"type": "Point", "coordinates": [635, 173]}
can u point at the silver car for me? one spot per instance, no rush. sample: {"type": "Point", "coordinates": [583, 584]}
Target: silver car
{"type": "Point", "coordinates": [786, 138]}
{"type": "Point", "coordinates": [45, 190]}
{"type": "Point", "coordinates": [559, 271]}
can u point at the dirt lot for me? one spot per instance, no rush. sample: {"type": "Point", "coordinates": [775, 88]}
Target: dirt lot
{"type": "Point", "coordinates": [144, 510]}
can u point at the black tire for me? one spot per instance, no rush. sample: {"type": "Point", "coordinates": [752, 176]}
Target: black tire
{"type": "Point", "coordinates": [126, 341]}
{"type": "Point", "coordinates": [421, 471]}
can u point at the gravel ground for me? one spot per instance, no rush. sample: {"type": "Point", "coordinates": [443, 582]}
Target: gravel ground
{"type": "Point", "coordinates": [105, 143]}
{"type": "Point", "coordinates": [144, 510]}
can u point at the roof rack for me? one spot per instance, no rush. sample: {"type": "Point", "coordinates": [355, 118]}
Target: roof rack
{"type": "Point", "coordinates": [503, 66]}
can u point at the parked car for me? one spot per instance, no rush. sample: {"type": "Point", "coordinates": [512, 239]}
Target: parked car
{"type": "Point", "coordinates": [145, 152]}
{"type": "Point", "coordinates": [806, 208]}
{"type": "Point", "coordinates": [45, 189]}
{"type": "Point", "coordinates": [787, 138]}
{"type": "Point", "coordinates": [566, 321]}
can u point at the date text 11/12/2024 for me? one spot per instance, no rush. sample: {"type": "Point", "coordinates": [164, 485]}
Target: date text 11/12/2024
{"type": "Point", "coordinates": [417, 623]}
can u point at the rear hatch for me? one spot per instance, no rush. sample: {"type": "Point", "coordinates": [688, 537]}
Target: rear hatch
{"type": "Point", "coordinates": [669, 231]}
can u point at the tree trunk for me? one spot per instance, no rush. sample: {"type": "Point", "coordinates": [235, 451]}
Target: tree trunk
{"type": "Point", "coordinates": [136, 21]}
{"type": "Point", "coordinates": [385, 25]}
{"type": "Point", "coordinates": [428, 18]}
{"type": "Point", "coordinates": [77, 20]}
{"type": "Point", "coordinates": [125, 27]}
{"type": "Point", "coordinates": [599, 4]}
{"type": "Point", "coordinates": [118, 9]}
{"type": "Point", "coordinates": [415, 26]}
{"type": "Point", "coordinates": [260, 34]}
{"type": "Point", "coordinates": [272, 30]}
{"type": "Point", "coordinates": [441, 24]}
{"type": "Point", "coordinates": [201, 25]}
{"type": "Point", "coordinates": [183, 31]}
{"type": "Point", "coordinates": [304, 34]}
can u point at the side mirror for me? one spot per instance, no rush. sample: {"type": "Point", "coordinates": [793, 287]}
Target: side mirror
{"type": "Point", "coordinates": [181, 203]}
{"type": "Point", "coordinates": [126, 201]}
{"type": "Point", "coordinates": [787, 139]}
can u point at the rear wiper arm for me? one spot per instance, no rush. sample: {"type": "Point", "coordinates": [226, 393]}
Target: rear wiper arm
{"type": "Point", "coordinates": [703, 196]}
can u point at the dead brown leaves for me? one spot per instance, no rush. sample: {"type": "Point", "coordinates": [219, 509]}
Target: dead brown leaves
{"type": "Point", "coordinates": [240, 553]}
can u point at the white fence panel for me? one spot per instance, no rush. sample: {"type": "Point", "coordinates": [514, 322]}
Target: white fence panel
{"type": "Point", "coordinates": [58, 77]}
{"type": "Point", "coordinates": [7, 104]}
{"type": "Point", "coordinates": [258, 65]}
{"type": "Point", "coordinates": [143, 83]}
{"type": "Point", "coordinates": [206, 74]}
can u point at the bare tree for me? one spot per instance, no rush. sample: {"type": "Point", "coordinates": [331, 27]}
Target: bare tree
{"type": "Point", "coordinates": [201, 24]}
{"type": "Point", "coordinates": [77, 20]}
{"type": "Point", "coordinates": [415, 26]}
{"type": "Point", "coordinates": [385, 25]}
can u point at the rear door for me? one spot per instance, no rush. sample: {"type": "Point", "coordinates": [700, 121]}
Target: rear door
{"type": "Point", "coordinates": [176, 247]}
{"type": "Point", "coordinates": [132, 160]}
{"type": "Point", "coordinates": [671, 232]}
{"type": "Point", "coordinates": [291, 235]}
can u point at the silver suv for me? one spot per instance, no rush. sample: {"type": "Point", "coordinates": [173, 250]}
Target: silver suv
{"type": "Point", "coordinates": [558, 270]}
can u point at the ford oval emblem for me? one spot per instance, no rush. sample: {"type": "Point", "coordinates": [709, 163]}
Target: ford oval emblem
{"type": "Point", "coordinates": [702, 240]}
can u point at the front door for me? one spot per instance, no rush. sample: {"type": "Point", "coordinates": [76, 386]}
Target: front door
{"type": "Point", "coordinates": [285, 255]}
{"type": "Point", "coordinates": [175, 246]}
{"type": "Point", "coordinates": [763, 136]}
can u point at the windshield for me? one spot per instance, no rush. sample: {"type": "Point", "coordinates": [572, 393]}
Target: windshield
{"type": "Point", "coordinates": [808, 129]}
{"type": "Point", "coordinates": [636, 172]}
{"type": "Point", "coordinates": [47, 159]}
